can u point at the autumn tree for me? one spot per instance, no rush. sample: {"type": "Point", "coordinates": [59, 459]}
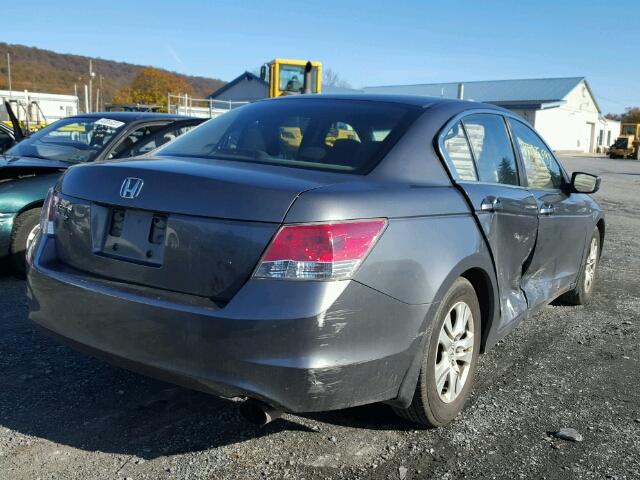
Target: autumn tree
{"type": "Point", "coordinates": [150, 87]}
{"type": "Point", "coordinates": [631, 115]}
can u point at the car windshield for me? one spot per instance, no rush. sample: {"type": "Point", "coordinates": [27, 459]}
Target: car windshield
{"type": "Point", "coordinates": [74, 139]}
{"type": "Point", "coordinates": [322, 134]}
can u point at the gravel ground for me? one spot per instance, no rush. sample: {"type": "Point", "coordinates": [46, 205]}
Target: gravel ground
{"type": "Point", "coordinates": [67, 416]}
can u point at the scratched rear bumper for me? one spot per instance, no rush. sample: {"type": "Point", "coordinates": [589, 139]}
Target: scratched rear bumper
{"type": "Point", "coordinates": [301, 346]}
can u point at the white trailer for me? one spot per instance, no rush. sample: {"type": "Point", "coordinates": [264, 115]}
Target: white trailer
{"type": "Point", "coordinates": [38, 109]}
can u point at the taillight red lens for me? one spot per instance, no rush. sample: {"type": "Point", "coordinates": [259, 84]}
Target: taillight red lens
{"type": "Point", "coordinates": [48, 214]}
{"type": "Point", "coordinates": [320, 251]}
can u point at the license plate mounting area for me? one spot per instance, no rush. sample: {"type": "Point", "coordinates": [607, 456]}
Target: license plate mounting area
{"type": "Point", "coordinates": [136, 236]}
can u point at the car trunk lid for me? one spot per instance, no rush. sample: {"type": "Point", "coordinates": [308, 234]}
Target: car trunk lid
{"type": "Point", "coordinates": [207, 188]}
{"type": "Point", "coordinates": [191, 226]}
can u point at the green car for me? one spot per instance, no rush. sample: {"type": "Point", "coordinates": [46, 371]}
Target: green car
{"type": "Point", "coordinates": [29, 169]}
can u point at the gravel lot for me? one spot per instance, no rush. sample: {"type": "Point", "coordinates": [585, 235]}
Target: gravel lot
{"type": "Point", "coordinates": [64, 415]}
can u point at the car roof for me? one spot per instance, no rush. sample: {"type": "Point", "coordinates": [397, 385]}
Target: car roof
{"type": "Point", "coordinates": [413, 100]}
{"type": "Point", "coordinates": [133, 116]}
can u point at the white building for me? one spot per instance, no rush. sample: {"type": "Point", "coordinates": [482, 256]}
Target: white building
{"type": "Point", "coordinates": [40, 108]}
{"type": "Point", "coordinates": [563, 110]}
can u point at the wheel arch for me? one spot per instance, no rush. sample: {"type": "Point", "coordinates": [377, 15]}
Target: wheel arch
{"type": "Point", "coordinates": [478, 270]}
{"type": "Point", "coordinates": [30, 206]}
{"type": "Point", "coordinates": [601, 226]}
{"type": "Point", "coordinates": [485, 291]}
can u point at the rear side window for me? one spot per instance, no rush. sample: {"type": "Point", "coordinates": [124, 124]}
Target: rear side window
{"type": "Point", "coordinates": [134, 138]}
{"type": "Point", "coordinates": [492, 149]}
{"type": "Point", "coordinates": [151, 142]}
{"type": "Point", "coordinates": [542, 169]}
{"type": "Point", "coordinates": [343, 135]}
{"type": "Point", "coordinates": [457, 147]}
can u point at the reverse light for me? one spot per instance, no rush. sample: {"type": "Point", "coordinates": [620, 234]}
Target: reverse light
{"type": "Point", "coordinates": [323, 251]}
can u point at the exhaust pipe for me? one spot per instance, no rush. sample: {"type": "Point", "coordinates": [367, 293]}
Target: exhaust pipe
{"type": "Point", "coordinates": [258, 413]}
{"type": "Point", "coordinates": [306, 84]}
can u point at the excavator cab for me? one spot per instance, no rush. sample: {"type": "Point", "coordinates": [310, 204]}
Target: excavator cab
{"type": "Point", "coordinates": [292, 77]}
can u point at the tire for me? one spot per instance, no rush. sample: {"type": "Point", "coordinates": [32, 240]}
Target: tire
{"type": "Point", "coordinates": [23, 226]}
{"type": "Point", "coordinates": [433, 404]}
{"type": "Point", "coordinates": [583, 291]}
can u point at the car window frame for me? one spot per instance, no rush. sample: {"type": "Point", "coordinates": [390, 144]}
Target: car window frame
{"type": "Point", "coordinates": [131, 126]}
{"type": "Point", "coordinates": [514, 140]}
{"type": "Point", "coordinates": [440, 148]}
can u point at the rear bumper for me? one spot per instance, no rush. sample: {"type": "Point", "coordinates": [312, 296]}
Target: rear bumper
{"type": "Point", "coordinates": [6, 225]}
{"type": "Point", "coordinates": [300, 346]}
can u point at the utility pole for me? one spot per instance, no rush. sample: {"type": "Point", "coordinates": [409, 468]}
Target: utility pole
{"type": "Point", "coordinates": [9, 74]}
{"type": "Point", "coordinates": [101, 106]}
{"type": "Point", "coordinates": [91, 75]}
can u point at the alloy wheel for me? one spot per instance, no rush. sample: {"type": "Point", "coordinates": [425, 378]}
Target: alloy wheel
{"type": "Point", "coordinates": [455, 352]}
{"type": "Point", "coordinates": [590, 267]}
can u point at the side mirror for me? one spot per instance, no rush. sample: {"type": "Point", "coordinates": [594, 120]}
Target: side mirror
{"type": "Point", "coordinates": [263, 72]}
{"type": "Point", "coordinates": [582, 182]}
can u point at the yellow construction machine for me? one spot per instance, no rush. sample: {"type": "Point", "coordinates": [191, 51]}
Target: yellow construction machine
{"type": "Point", "coordinates": [628, 143]}
{"type": "Point", "coordinates": [290, 77]}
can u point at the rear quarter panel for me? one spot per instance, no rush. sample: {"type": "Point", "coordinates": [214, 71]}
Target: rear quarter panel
{"type": "Point", "coordinates": [431, 238]}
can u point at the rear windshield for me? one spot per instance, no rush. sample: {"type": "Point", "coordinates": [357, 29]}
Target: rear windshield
{"type": "Point", "coordinates": [321, 134]}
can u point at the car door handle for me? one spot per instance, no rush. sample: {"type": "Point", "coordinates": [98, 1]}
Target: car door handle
{"type": "Point", "coordinates": [491, 204]}
{"type": "Point", "coordinates": [546, 209]}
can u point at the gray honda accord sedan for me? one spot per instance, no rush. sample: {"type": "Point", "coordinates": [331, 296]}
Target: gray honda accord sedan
{"type": "Point", "coordinates": [313, 253]}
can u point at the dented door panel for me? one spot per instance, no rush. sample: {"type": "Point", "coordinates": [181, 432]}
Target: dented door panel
{"type": "Point", "coordinates": [510, 228]}
{"type": "Point", "coordinates": [565, 222]}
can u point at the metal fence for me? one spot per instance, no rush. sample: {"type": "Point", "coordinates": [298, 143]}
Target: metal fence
{"type": "Point", "coordinates": [199, 107]}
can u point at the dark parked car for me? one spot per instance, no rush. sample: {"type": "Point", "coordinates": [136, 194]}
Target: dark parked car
{"type": "Point", "coordinates": [31, 168]}
{"type": "Point", "coordinates": [324, 274]}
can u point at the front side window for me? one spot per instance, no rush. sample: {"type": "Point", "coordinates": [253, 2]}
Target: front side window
{"type": "Point", "coordinates": [458, 151]}
{"type": "Point", "coordinates": [492, 149]}
{"type": "Point", "coordinates": [542, 169]}
{"type": "Point", "coordinates": [341, 135]}
{"type": "Point", "coordinates": [70, 139]}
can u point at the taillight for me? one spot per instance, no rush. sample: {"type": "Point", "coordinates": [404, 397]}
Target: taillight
{"type": "Point", "coordinates": [323, 251]}
{"type": "Point", "coordinates": [48, 214]}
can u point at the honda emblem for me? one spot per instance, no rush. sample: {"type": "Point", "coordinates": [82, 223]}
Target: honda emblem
{"type": "Point", "coordinates": [131, 187]}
